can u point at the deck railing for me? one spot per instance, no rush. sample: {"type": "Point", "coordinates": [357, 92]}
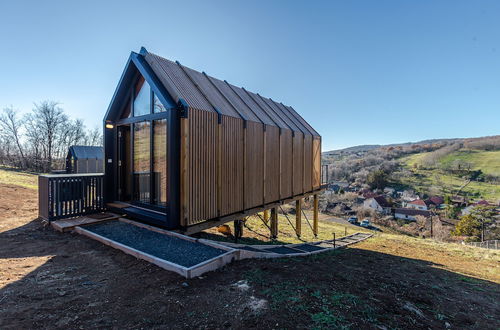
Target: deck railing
{"type": "Point", "coordinates": [69, 195]}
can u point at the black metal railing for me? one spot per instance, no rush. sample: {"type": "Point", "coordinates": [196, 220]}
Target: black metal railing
{"type": "Point", "coordinates": [69, 195]}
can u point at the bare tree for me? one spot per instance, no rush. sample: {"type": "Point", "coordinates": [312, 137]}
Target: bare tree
{"type": "Point", "coordinates": [49, 119]}
{"type": "Point", "coordinates": [11, 127]}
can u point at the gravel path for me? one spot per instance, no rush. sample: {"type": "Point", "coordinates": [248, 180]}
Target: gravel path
{"type": "Point", "coordinates": [173, 249]}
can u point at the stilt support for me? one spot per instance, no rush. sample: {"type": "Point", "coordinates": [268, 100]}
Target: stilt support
{"type": "Point", "coordinates": [238, 229]}
{"type": "Point", "coordinates": [315, 215]}
{"type": "Point", "coordinates": [266, 215]}
{"type": "Point", "coordinates": [274, 223]}
{"type": "Point", "coordinates": [298, 217]}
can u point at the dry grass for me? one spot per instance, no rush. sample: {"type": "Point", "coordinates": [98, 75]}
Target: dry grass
{"type": "Point", "coordinates": [457, 258]}
{"type": "Point", "coordinates": [11, 176]}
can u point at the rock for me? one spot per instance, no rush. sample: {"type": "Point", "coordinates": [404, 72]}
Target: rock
{"type": "Point", "coordinates": [447, 325]}
{"type": "Point", "coordinates": [412, 308]}
{"type": "Point", "coordinates": [185, 284]}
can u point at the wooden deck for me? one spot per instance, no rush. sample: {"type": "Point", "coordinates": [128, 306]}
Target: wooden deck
{"type": "Point", "coordinates": [69, 224]}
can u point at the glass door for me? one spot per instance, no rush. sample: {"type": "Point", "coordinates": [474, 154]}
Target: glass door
{"type": "Point", "coordinates": [142, 162]}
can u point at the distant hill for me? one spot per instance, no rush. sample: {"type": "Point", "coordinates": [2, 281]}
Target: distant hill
{"type": "Point", "coordinates": [368, 147]}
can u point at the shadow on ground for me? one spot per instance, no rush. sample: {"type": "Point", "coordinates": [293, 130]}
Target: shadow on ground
{"type": "Point", "coordinates": [68, 281]}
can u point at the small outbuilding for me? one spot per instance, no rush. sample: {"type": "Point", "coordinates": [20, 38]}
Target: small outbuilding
{"type": "Point", "coordinates": [85, 159]}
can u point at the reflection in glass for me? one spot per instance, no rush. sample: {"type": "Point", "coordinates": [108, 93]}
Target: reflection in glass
{"type": "Point", "coordinates": [142, 99]}
{"type": "Point", "coordinates": [142, 162]}
{"type": "Point", "coordinates": [158, 106]}
{"type": "Point", "coordinates": [160, 161]}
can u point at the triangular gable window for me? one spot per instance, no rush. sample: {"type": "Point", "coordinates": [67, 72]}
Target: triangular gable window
{"type": "Point", "coordinates": [142, 99]}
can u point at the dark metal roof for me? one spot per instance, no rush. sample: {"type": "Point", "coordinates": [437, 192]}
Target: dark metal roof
{"type": "Point", "coordinates": [203, 92]}
{"type": "Point", "coordinates": [86, 152]}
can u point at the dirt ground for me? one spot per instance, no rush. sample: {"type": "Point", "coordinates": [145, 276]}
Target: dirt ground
{"type": "Point", "coordinates": [54, 280]}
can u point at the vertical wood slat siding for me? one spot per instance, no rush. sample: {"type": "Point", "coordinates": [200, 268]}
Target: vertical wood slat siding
{"type": "Point", "coordinates": [286, 151]}
{"type": "Point", "coordinates": [254, 169]}
{"type": "Point", "coordinates": [298, 163]}
{"type": "Point", "coordinates": [316, 160]}
{"type": "Point", "coordinates": [272, 164]}
{"type": "Point", "coordinates": [277, 165]}
{"type": "Point", "coordinates": [231, 165]}
{"type": "Point", "coordinates": [308, 157]}
{"type": "Point", "coordinates": [202, 166]}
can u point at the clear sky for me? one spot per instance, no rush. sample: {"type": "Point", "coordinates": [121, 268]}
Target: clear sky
{"type": "Point", "coordinates": [361, 72]}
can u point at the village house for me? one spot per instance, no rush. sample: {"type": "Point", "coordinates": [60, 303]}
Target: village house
{"type": "Point", "coordinates": [417, 204]}
{"type": "Point", "coordinates": [410, 214]}
{"type": "Point", "coordinates": [434, 201]}
{"type": "Point", "coordinates": [379, 204]}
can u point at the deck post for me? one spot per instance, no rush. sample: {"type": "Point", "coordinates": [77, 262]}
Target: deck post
{"type": "Point", "coordinates": [274, 223]}
{"type": "Point", "coordinates": [266, 215]}
{"type": "Point", "coordinates": [298, 217]}
{"type": "Point", "coordinates": [315, 215]}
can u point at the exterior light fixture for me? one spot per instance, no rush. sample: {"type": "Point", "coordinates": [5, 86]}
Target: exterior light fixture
{"type": "Point", "coordinates": [109, 126]}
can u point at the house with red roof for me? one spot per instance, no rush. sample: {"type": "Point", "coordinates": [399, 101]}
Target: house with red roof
{"type": "Point", "coordinates": [417, 204]}
{"type": "Point", "coordinates": [434, 201]}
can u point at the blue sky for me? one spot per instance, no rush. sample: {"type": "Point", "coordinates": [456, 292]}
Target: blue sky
{"type": "Point", "coordinates": [361, 72]}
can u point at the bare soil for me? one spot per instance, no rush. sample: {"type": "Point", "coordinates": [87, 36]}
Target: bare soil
{"type": "Point", "coordinates": [54, 280]}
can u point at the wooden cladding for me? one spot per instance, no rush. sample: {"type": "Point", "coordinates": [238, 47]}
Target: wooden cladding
{"type": "Point", "coordinates": [229, 165]}
{"type": "Point", "coordinates": [254, 169]}
{"type": "Point", "coordinates": [316, 163]}
{"type": "Point", "coordinates": [199, 167]}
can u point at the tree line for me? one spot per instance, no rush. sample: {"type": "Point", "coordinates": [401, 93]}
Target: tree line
{"type": "Point", "coordinates": [39, 140]}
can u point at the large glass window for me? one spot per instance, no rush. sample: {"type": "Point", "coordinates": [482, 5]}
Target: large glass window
{"type": "Point", "coordinates": [160, 161]}
{"type": "Point", "coordinates": [142, 145]}
{"type": "Point", "coordinates": [158, 106]}
{"type": "Point", "coordinates": [142, 99]}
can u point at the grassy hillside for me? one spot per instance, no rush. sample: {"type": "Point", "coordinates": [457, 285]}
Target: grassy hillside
{"type": "Point", "coordinates": [424, 180]}
{"type": "Point", "coordinates": [486, 161]}
{"type": "Point", "coordinates": [9, 175]}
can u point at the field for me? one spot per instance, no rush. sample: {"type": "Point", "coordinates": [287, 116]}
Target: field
{"type": "Point", "coordinates": [424, 179]}
{"type": "Point", "coordinates": [49, 279]}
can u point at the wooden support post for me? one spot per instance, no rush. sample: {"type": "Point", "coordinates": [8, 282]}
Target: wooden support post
{"type": "Point", "coordinates": [274, 223]}
{"type": "Point", "coordinates": [298, 217]}
{"type": "Point", "coordinates": [315, 215]}
{"type": "Point", "coordinates": [266, 215]}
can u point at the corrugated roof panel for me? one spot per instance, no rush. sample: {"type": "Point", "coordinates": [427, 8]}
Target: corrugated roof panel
{"type": "Point", "coordinates": [254, 106]}
{"type": "Point", "coordinates": [279, 112]}
{"type": "Point", "coordinates": [235, 100]}
{"type": "Point", "coordinates": [87, 152]}
{"type": "Point", "coordinates": [208, 92]}
{"type": "Point", "coordinates": [279, 122]}
{"type": "Point", "coordinates": [305, 123]}
{"type": "Point", "coordinates": [187, 90]}
{"type": "Point", "coordinates": [292, 117]}
{"type": "Point", "coordinates": [211, 93]}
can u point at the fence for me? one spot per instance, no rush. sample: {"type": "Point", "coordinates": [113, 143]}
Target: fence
{"type": "Point", "coordinates": [69, 195]}
{"type": "Point", "coordinates": [493, 244]}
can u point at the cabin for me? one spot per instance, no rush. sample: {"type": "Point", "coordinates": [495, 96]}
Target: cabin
{"type": "Point", "coordinates": [184, 150]}
{"type": "Point", "coordinates": [85, 159]}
